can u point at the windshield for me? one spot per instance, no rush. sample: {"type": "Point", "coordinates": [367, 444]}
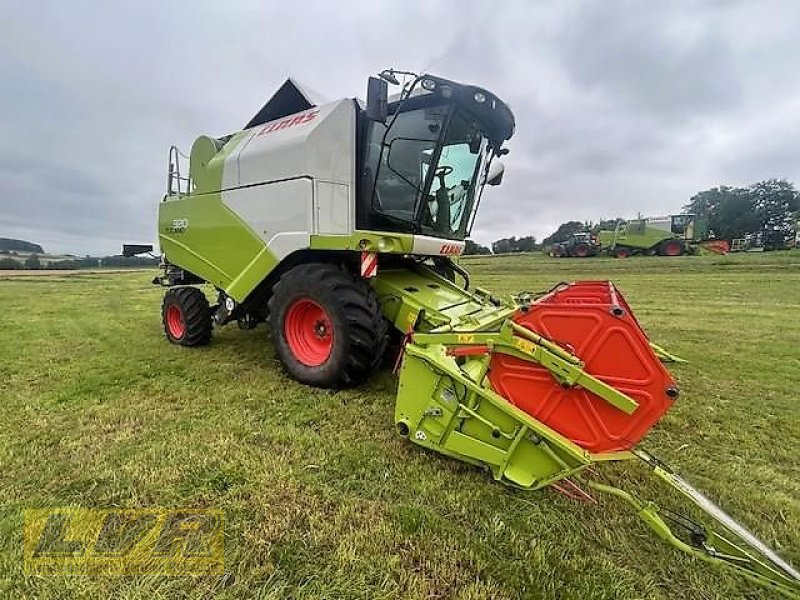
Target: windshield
{"type": "Point", "coordinates": [425, 170]}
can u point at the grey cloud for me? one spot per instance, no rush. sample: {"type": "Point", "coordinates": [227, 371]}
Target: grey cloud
{"type": "Point", "coordinates": [665, 60]}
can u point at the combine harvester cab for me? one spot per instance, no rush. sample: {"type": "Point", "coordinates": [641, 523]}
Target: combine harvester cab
{"type": "Point", "coordinates": [332, 222]}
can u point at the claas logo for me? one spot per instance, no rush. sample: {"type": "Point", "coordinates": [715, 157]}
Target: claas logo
{"type": "Point", "coordinates": [450, 249]}
{"type": "Point", "coordinates": [69, 541]}
{"type": "Point", "coordinates": [289, 122]}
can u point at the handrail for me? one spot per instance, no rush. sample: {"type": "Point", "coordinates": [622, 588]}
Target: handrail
{"type": "Point", "coordinates": [174, 178]}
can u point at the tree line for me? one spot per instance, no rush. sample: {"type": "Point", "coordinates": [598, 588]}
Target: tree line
{"type": "Point", "coordinates": [8, 262]}
{"type": "Point", "coordinates": [770, 207]}
{"type": "Point", "coordinates": [733, 212]}
{"type": "Point", "coordinates": [8, 245]}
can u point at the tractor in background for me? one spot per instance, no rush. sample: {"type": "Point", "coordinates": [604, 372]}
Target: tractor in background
{"type": "Point", "coordinates": [579, 245]}
{"type": "Point", "coordinates": [334, 225]}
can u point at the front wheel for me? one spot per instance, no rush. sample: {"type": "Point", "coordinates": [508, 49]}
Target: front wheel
{"type": "Point", "coordinates": [326, 325]}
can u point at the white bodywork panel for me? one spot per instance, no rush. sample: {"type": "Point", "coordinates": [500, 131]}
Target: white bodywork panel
{"type": "Point", "coordinates": [663, 223]}
{"type": "Point", "coordinates": [432, 246]}
{"type": "Point", "coordinates": [333, 208]}
{"type": "Point", "coordinates": [275, 210]}
{"type": "Point", "coordinates": [296, 176]}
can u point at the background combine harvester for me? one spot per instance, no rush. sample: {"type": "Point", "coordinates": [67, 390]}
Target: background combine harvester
{"type": "Point", "coordinates": [672, 235]}
{"type": "Point", "coordinates": [335, 223]}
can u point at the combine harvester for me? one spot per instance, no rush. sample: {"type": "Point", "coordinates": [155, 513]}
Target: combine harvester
{"type": "Point", "coordinates": [673, 235]}
{"type": "Point", "coordinates": [335, 222]}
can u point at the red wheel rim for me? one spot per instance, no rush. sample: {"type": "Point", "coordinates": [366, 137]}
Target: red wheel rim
{"type": "Point", "coordinates": [623, 253]}
{"type": "Point", "coordinates": [175, 323]}
{"type": "Point", "coordinates": [672, 249]}
{"type": "Point", "coordinates": [309, 333]}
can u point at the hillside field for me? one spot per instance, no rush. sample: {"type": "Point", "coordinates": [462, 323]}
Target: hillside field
{"type": "Point", "coordinates": [322, 499]}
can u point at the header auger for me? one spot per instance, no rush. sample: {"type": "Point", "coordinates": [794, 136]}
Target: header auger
{"type": "Point", "coordinates": [335, 223]}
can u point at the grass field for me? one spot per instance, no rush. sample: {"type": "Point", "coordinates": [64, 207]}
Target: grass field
{"type": "Point", "coordinates": [323, 499]}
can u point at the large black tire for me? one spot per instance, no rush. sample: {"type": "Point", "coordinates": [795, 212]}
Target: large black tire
{"type": "Point", "coordinates": [186, 316]}
{"type": "Point", "coordinates": [581, 250]}
{"type": "Point", "coordinates": [326, 325]}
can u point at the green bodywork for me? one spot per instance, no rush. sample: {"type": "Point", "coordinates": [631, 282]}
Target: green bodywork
{"type": "Point", "coordinates": [233, 257]}
{"type": "Point", "coordinates": [202, 235]}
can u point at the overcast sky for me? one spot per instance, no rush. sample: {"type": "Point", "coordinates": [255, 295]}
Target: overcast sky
{"type": "Point", "coordinates": [622, 107]}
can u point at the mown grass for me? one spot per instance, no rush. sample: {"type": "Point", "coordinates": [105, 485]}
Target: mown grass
{"type": "Point", "coordinates": [323, 499]}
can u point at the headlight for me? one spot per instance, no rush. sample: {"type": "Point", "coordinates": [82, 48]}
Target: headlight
{"type": "Point", "coordinates": [428, 84]}
{"type": "Point", "coordinates": [479, 97]}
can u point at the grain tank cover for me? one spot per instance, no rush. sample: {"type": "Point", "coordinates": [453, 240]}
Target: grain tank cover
{"type": "Point", "coordinates": [290, 98]}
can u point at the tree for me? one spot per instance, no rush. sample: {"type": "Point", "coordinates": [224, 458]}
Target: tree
{"type": "Point", "coordinates": [20, 245]}
{"type": "Point", "coordinates": [505, 245]}
{"type": "Point", "coordinates": [606, 224]}
{"type": "Point", "coordinates": [527, 244]}
{"type": "Point", "coordinates": [708, 202]}
{"type": "Point", "coordinates": [735, 216]}
{"type": "Point", "coordinates": [735, 212]}
{"type": "Point", "coordinates": [33, 262]}
{"type": "Point", "coordinates": [774, 202]}
{"type": "Point", "coordinates": [512, 244]}
{"type": "Point", "coordinates": [729, 211]}
{"type": "Point", "coordinates": [564, 232]}
{"type": "Point", "coordinates": [473, 248]}
{"type": "Point", "coordinates": [7, 264]}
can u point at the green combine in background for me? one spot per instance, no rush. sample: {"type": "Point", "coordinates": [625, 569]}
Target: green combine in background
{"type": "Point", "coordinates": [673, 235]}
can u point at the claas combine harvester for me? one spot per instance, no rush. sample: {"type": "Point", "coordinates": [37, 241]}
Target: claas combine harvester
{"type": "Point", "coordinates": [336, 224]}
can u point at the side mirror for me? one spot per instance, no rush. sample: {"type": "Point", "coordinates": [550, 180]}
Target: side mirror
{"type": "Point", "coordinates": [377, 100]}
{"type": "Point", "coordinates": [495, 174]}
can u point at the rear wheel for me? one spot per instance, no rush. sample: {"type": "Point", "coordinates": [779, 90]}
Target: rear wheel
{"type": "Point", "coordinates": [326, 325]}
{"type": "Point", "coordinates": [671, 248]}
{"type": "Point", "coordinates": [622, 252]}
{"type": "Point", "coordinates": [581, 250]}
{"type": "Point", "coordinates": [186, 316]}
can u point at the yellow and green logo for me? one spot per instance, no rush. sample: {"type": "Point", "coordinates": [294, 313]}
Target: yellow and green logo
{"type": "Point", "coordinates": [81, 541]}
